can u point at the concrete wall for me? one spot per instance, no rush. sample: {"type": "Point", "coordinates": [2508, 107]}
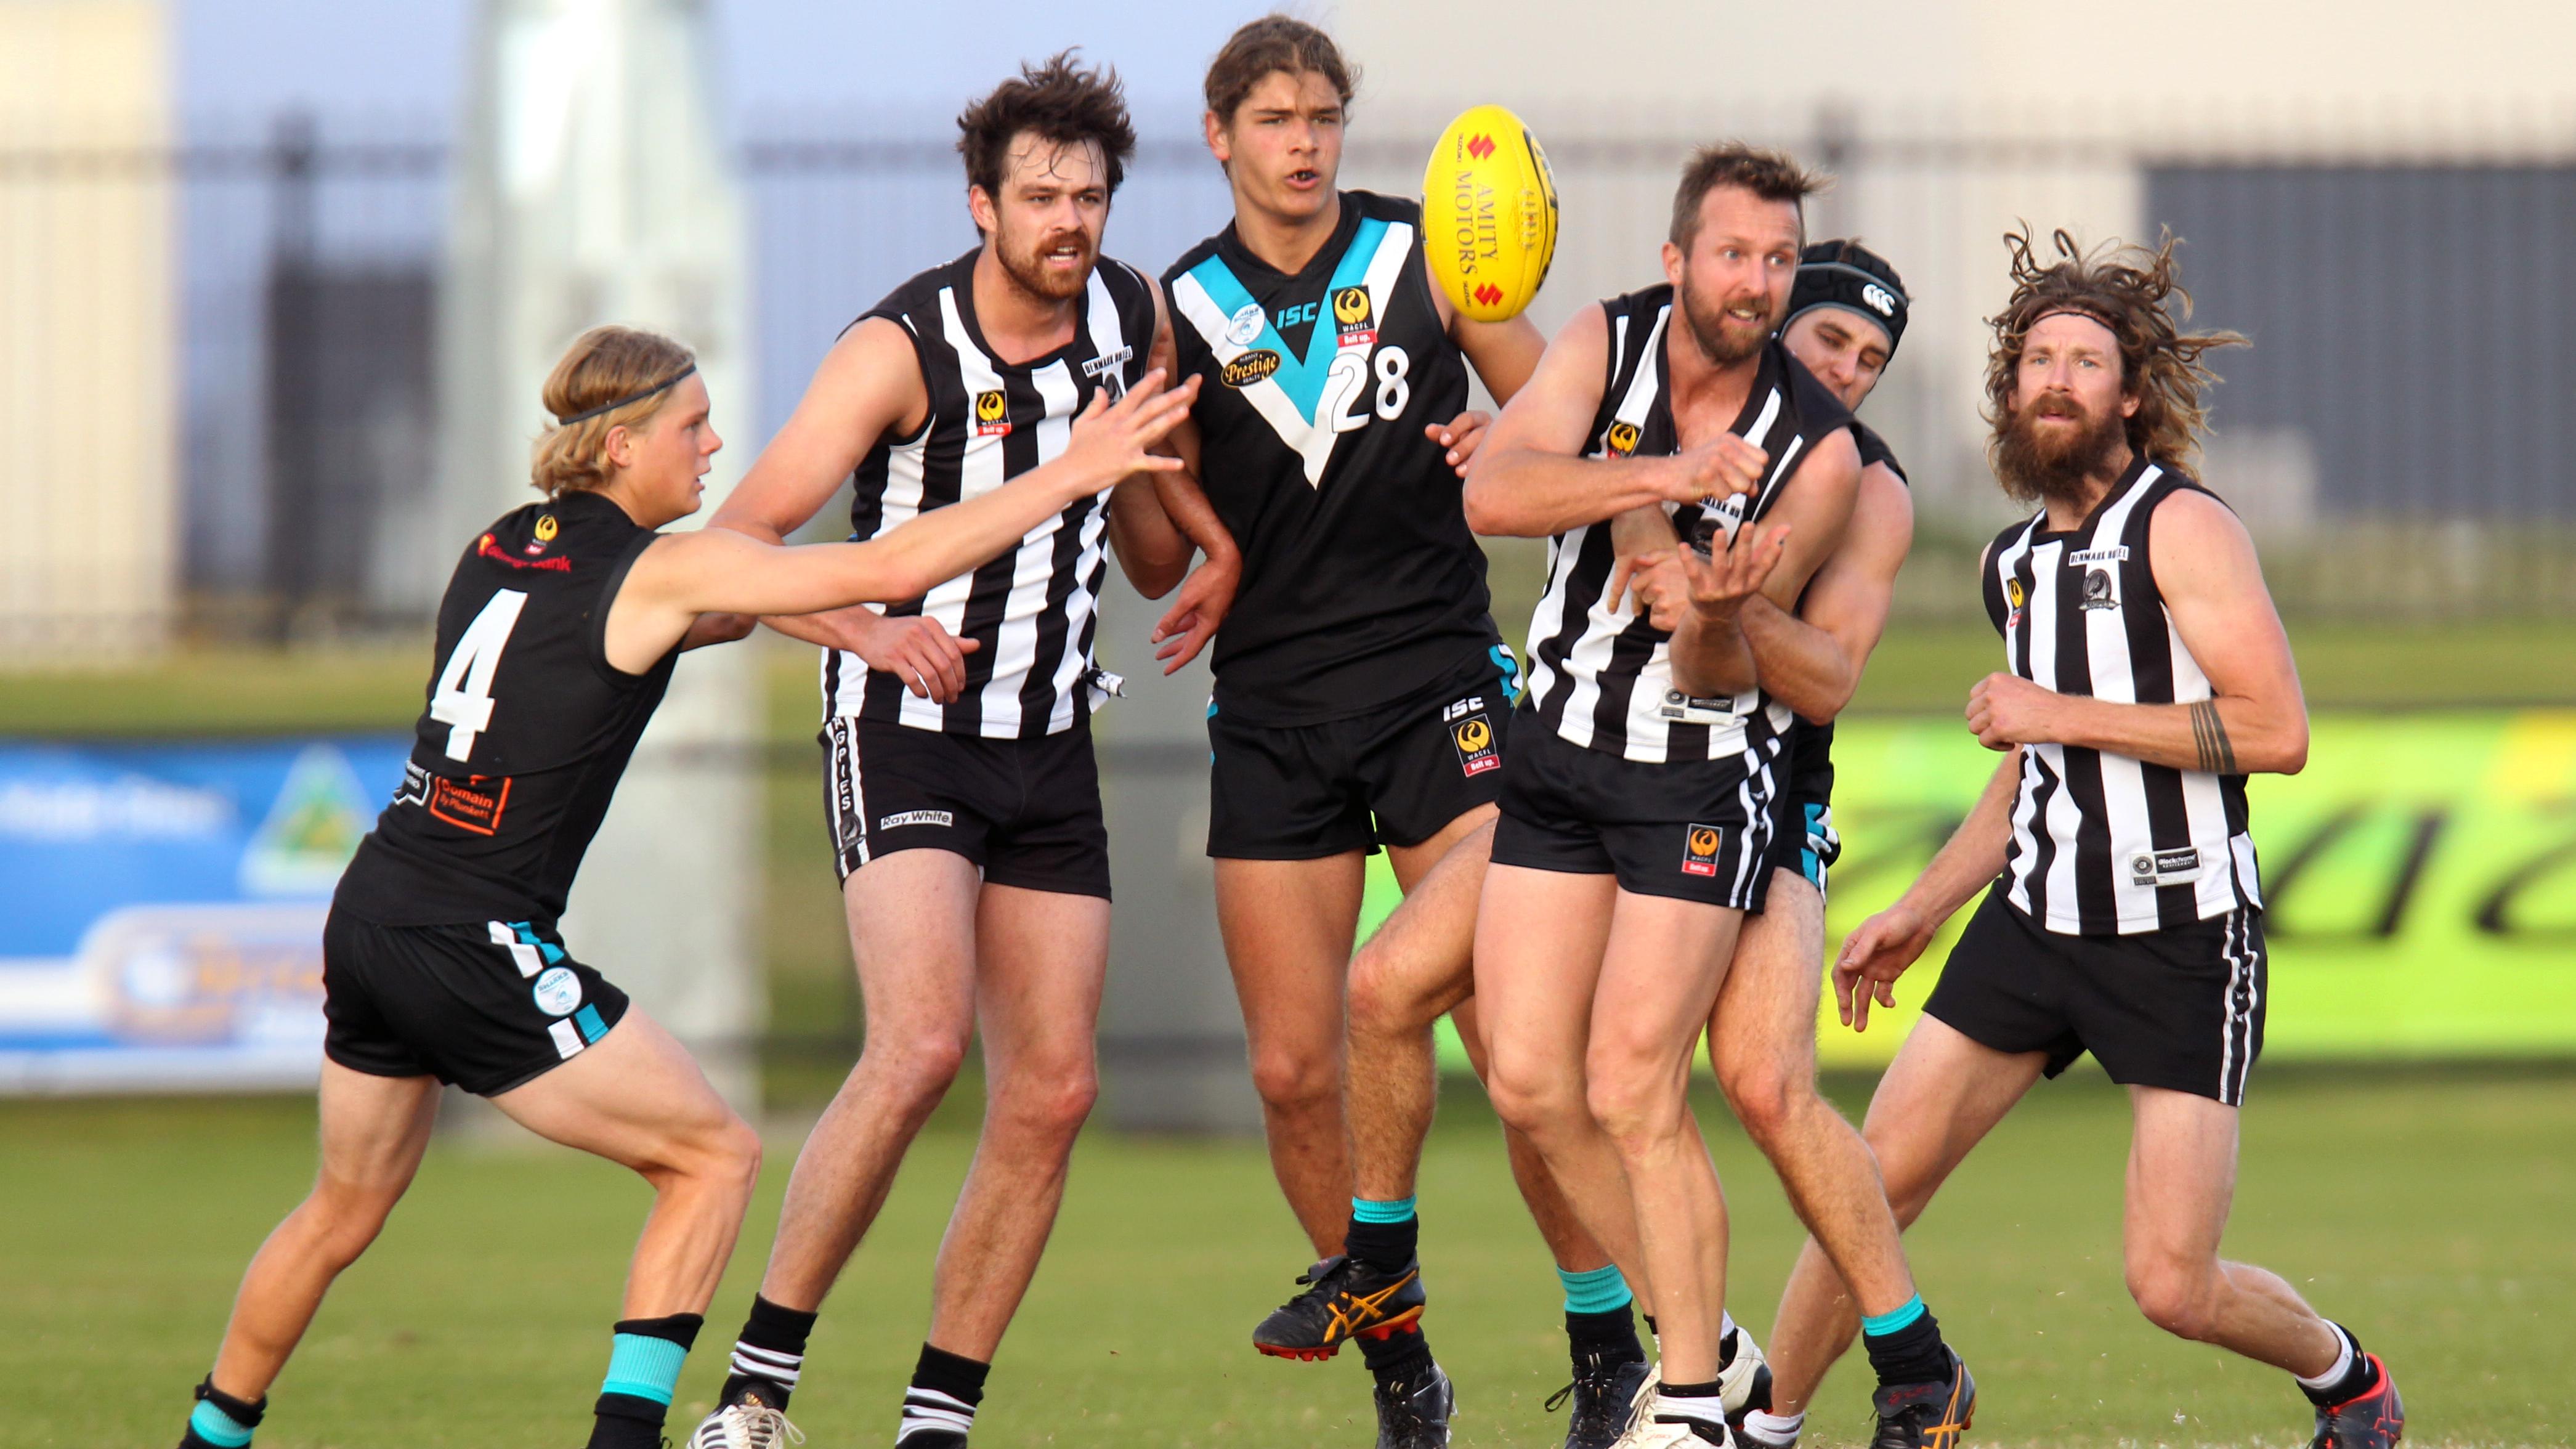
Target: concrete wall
{"type": "Point", "coordinates": [88, 338]}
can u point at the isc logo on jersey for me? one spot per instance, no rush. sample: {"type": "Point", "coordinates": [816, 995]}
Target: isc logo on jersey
{"type": "Point", "coordinates": [1699, 851]}
{"type": "Point", "coordinates": [1488, 214]}
{"type": "Point", "coordinates": [992, 414]}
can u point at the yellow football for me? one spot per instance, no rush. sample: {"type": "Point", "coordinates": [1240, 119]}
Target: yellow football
{"type": "Point", "coordinates": [1488, 214]}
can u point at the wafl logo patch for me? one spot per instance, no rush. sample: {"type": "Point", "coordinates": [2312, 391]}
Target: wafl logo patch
{"type": "Point", "coordinates": [1699, 850]}
{"type": "Point", "coordinates": [1353, 315]}
{"type": "Point", "coordinates": [1474, 737]}
{"type": "Point", "coordinates": [1622, 438]}
{"type": "Point", "coordinates": [2013, 596]}
{"type": "Point", "coordinates": [992, 414]}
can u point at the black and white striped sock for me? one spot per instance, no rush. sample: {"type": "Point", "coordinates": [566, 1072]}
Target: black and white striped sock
{"type": "Point", "coordinates": [939, 1406]}
{"type": "Point", "coordinates": [770, 1356]}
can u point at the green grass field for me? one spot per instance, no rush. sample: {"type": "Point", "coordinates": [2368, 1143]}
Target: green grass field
{"type": "Point", "coordinates": [2428, 1209]}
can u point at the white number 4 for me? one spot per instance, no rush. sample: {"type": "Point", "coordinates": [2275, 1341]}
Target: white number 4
{"type": "Point", "coordinates": [462, 699]}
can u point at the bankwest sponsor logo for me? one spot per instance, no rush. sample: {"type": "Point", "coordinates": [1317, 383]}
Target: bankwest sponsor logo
{"type": "Point", "coordinates": [488, 547]}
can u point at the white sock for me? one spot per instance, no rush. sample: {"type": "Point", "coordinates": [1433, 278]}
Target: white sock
{"type": "Point", "coordinates": [2342, 1363]}
{"type": "Point", "coordinates": [1774, 1429]}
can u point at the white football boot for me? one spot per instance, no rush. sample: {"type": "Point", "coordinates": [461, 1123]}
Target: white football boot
{"type": "Point", "coordinates": [746, 1426]}
{"type": "Point", "coordinates": [1745, 1384]}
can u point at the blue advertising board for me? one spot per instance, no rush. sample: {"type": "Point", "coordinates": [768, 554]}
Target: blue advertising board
{"type": "Point", "coordinates": [161, 906]}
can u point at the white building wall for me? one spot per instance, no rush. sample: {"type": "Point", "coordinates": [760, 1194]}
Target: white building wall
{"type": "Point", "coordinates": [88, 341]}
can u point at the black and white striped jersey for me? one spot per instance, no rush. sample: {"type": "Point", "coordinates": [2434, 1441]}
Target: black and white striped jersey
{"type": "Point", "coordinates": [1601, 676]}
{"type": "Point", "coordinates": [2103, 844]}
{"type": "Point", "coordinates": [1035, 608]}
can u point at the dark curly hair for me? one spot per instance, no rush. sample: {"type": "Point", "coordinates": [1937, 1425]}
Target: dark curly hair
{"type": "Point", "coordinates": [2135, 292]}
{"type": "Point", "coordinates": [1060, 102]}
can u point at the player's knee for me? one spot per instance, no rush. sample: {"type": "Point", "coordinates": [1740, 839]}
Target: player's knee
{"type": "Point", "coordinates": [921, 1065]}
{"type": "Point", "coordinates": [1050, 1103]}
{"type": "Point", "coordinates": [1630, 1102]}
{"type": "Point", "coordinates": [1765, 1098]}
{"type": "Point", "coordinates": [733, 1156]}
{"type": "Point", "coordinates": [343, 1218]}
{"type": "Point", "coordinates": [2179, 1298]}
{"type": "Point", "coordinates": [1289, 1079]}
{"type": "Point", "coordinates": [1531, 1102]}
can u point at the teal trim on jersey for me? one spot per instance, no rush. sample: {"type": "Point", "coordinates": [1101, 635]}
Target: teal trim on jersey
{"type": "Point", "coordinates": [217, 1427]}
{"type": "Point", "coordinates": [592, 1028]}
{"type": "Point", "coordinates": [1372, 1210]}
{"type": "Point", "coordinates": [1807, 856]}
{"type": "Point", "coordinates": [1301, 378]}
{"type": "Point", "coordinates": [1510, 664]}
{"type": "Point", "coordinates": [1601, 1290]}
{"type": "Point", "coordinates": [528, 936]}
{"type": "Point", "coordinates": [644, 1367]}
{"type": "Point", "coordinates": [1887, 1323]}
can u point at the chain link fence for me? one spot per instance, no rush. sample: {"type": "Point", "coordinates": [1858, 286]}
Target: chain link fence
{"type": "Point", "coordinates": [2398, 434]}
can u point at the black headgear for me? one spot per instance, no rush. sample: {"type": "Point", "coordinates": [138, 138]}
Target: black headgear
{"type": "Point", "coordinates": [1848, 275]}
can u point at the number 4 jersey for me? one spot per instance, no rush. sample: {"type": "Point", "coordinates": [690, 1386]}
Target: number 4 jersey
{"type": "Point", "coordinates": [528, 726]}
{"type": "Point", "coordinates": [1361, 583]}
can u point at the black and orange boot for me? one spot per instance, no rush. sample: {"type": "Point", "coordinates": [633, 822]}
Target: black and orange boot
{"type": "Point", "coordinates": [2375, 1418]}
{"type": "Point", "coordinates": [1932, 1415]}
{"type": "Point", "coordinates": [1344, 1299]}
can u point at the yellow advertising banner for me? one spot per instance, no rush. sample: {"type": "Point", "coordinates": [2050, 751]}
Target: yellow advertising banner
{"type": "Point", "coordinates": [2420, 879]}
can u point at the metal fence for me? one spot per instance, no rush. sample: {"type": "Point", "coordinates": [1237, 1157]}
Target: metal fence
{"type": "Point", "coordinates": [2398, 434]}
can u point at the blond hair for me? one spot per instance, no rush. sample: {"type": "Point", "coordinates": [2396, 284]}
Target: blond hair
{"type": "Point", "coordinates": [603, 365]}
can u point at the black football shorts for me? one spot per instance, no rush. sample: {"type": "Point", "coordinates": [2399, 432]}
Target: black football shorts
{"type": "Point", "coordinates": [1025, 811]}
{"type": "Point", "coordinates": [1693, 830]}
{"type": "Point", "coordinates": [487, 1006]}
{"type": "Point", "coordinates": [1394, 775]}
{"type": "Point", "coordinates": [2180, 1008]}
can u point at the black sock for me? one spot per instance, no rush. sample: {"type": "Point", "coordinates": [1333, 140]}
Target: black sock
{"type": "Point", "coordinates": [943, 1395]}
{"type": "Point", "coordinates": [2357, 1380]}
{"type": "Point", "coordinates": [1399, 1355]}
{"type": "Point", "coordinates": [1386, 1247]}
{"type": "Point", "coordinates": [1650, 1323]}
{"type": "Point", "coordinates": [1913, 1354]}
{"type": "Point", "coordinates": [243, 1413]}
{"type": "Point", "coordinates": [1726, 1349]}
{"type": "Point", "coordinates": [769, 1356]}
{"type": "Point", "coordinates": [632, 1421]}
{"type": "Point", "coordinates": [1609, 1336]}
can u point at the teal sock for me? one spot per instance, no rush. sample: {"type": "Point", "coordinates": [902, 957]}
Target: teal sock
{"type": "Point", "coordinates": [1887, 1323]}
{"type": "Point", "coordinates": [221, 1420]}
{"type": "Point", "coordinates": [644, 1367]}
{"type": "Point", "coordinates": [1601, 1290]}
{"type": "Point", "coordinates": [644, 1359]}
{"type": "Point", "coordinates": [218, 1428]}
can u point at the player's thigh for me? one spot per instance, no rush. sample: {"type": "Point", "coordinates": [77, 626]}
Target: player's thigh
{"type": "Point", "coordinates": [2182, 1175]}
{"type": "Point", "coordinates": [635, 1097]}
{"type": "Point", "coordinates": [1421, 961]}
{"type": "Point", "coordinates": [912, 924]}
{"type": "Point", "coordinates": [1288, 926]}
{"type": "Point", "coordinates": [1472, 830]}
{"type": "Point", "coordinates": [373, 1129]}
{"type": "Point", "coordinates": [1540, 936]}
{"type": "Point", "coordinates": [1660, 972]}
{"type": "Point", "coordinates": [1936, 1102]}
{"type": "Point", "coordinates": [1041, 960]}
{"type": "Point", "coordinates": [1765, 1022]}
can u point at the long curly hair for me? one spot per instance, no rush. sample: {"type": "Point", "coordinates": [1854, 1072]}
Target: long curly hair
{"type": "Point", "coordinates": [2135, 292]}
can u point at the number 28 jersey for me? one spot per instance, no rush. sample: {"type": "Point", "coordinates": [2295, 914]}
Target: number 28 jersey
{"type": "Point", "coordinates": [527, 729]}
{"type": "Point", "coordinates": [1361, 583]}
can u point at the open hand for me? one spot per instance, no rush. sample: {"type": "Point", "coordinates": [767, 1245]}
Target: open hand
{"type": "Point", "coordinates": [1201, 603]}
{"type": "Point", "coordinates": [1719, 585]}
{"type": "Point", "coordinates": [1113, 440]}
{"type": "Point", "coordinates": [1874, 956]}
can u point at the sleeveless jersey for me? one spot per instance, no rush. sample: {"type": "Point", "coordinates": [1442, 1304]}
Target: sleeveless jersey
{"type": "Point", "coordinates": [1810, 750]}
{"type": "Point", "coordinates": [1601, 676]}
{"type": "Point", "coordinates": [528, 726]}
{"type": "Point", "coordinates": [1361, 582]}
{"type": "Point", "coordinates": [2102, 843]}
{"type": "Point", "coordinates": [1036, 608]}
